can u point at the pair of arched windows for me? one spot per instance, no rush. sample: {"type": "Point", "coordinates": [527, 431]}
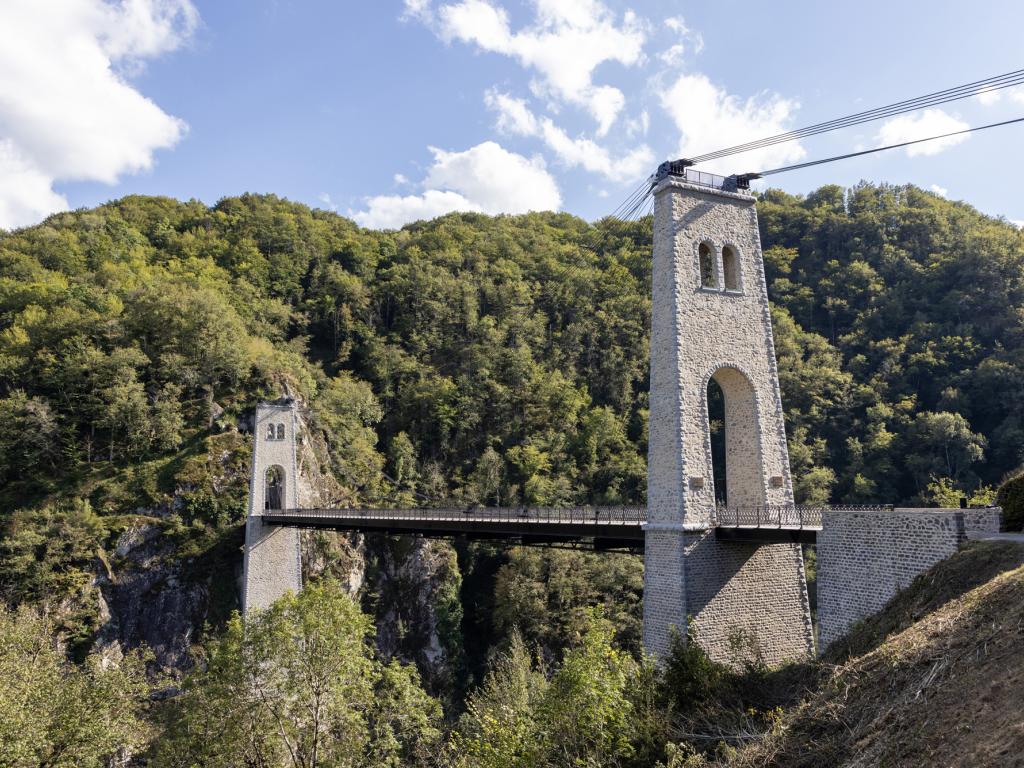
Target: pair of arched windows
{"type": "Point", "coordinates": [709, 272]}
{"type": "Point", "coordinates": [275, 431]}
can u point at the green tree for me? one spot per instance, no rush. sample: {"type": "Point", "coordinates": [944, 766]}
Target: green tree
{"type": "Point", "coordinates": [60, 714]}
{"type": "Point", "coordinates": [485, 481]}
{"type": "Point", "coordinates": [942, 444]}
{"type": "Point", "coordinates": [548, 595]}
{"type": "Point", "coordinates": [585, 717]}
{"type": "Point", "coordinates": [499, 727]}
{"type": "Point", "coordinates": [299, 685]}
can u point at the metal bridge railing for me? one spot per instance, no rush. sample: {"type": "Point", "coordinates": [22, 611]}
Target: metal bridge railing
{"type": "Point", "coordinates": [681, 169]}
{"type": "Point", "coordinates": [624, 515]}
{"type": "Point", "coordinates": [783, 515]}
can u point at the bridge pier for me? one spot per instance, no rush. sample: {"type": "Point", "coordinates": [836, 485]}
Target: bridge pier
{"type": "Point", "coordinates": [273, 558]}
{"type": "Point", "coordinates": [710, 320]}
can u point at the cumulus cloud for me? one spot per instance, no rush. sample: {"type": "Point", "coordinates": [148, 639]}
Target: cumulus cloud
{"type": "Point", "coordinates": [673, 55]}
{"type": "Point", "coordinates": [515, 117]}
{"type": "Point", "coordinates": [940, 191]}
{"type": "Point", "coordinates": [930, 122]}
{"type": "Point", "coordinates": [709, 118]}
{"type": "Point", "coordinates": [67, 110]}
{"type": "Point", "coordinates": [988, 97]}
{"type": "Point", "coordinates": [593, 157]}
{"type": "Point", "coordinates": [486, 178]}
{"type": "Point", "coordinates": [566, 42]}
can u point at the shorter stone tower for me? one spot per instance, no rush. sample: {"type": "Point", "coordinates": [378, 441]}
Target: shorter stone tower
{"type": "Point", "coordinates": [710, 320]}
{"type": "Point", "coordinates": [273, 558]}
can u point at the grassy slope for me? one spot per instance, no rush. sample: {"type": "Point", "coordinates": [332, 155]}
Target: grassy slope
{"type": "Point", "coordinates": [937, 678]}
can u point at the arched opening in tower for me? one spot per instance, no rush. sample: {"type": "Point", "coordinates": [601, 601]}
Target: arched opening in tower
{"type": "Point", "coordinates": [716, 423]}
{"type": "Point", "coordinates": [736, 461]}
{"type": "Point", "coordinates": [273, 495]}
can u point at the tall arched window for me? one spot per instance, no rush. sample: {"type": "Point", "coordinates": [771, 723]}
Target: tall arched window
{"type": "Point", "coordinates": [270, 431]}
{"type": "Point", "coordinates": [273, 496]}
{"type": "Point", "coordinates": [732, 419]}
{"type": "Point", "coordinates": [731, 268]}
{"type": "Point", "coordinates": [708, 273]}
{"type": "Point", "coordinates": [280, 431]}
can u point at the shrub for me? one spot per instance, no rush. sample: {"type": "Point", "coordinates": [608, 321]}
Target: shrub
{"type": "Point", "coordinates": [690, 678]}
{"type": "Point", "coordinates": [1011, 498]}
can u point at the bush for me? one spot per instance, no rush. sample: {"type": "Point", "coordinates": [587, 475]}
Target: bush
{"type": "Point", "coordinates": [690, 678]}
{"type": "Point", "coordinates": [1011, 498]}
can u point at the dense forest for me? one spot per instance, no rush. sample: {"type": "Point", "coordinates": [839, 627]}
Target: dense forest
{"type": "Point", "coordinates": [481, 359]}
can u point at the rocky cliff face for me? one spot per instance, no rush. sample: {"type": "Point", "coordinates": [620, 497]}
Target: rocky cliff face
{"type": "Point", "coordinates": [149, 598]}
{"type": "Point", "coordinates": [154, 590]}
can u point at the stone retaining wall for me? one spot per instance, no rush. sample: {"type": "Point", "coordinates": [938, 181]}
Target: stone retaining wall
{"type": "Point", "coordinates": [865, 557]}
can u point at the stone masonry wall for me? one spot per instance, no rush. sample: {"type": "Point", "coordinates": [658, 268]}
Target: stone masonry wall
{"type": "Point", "coordinates": [664, 588]}
{"type": "Point", "coordinates": [699, 332]}
{"type": "Point", "coordinates": [273, 555]}
{"type": "Point", "coordinates": [748, 601]}
{"type": "Point", "coordinates": [981, 521]}
{"type": "Point", "coordinates": [864, 558]}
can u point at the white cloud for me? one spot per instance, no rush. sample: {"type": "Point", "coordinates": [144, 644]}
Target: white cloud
{"type": "Point", "coordinates": [392, 211]}
{"type": "Point", "coordinates": [674, 54]}
{"type": "Point", "coordinates": [417, 9]}
{"type": "Point", "coordinates": [513, 115]}
{"type": "Point", "coordinates": [485, 178]}
{"type": "Point", "coordinates": [676, 24]}
{"type": "Point", "coordinates": [709, 118]}
{"type": "Point", "coordinates": [567, 41]}
{"type": "Point", "coordinates": [930, 122]}
{"type": "Point", "coordinates": [1018, 223]}
{"type": "Point", "coordinates": [1016, 94]}
{"type": "Point", "coordinates": [593, 157]}
{"type": "Point", "coordinates": [640, 125]}
{"type": "Point", "coordinates": [329, 204]}
{"type": "Point", "coordinates": [516, 118]}
{"type": "Point", "coordinates": [940, 191]}
{"type": "Point", "coordinates": [66, 110]}
{"type": "Point", "coordinates": [989, 97]}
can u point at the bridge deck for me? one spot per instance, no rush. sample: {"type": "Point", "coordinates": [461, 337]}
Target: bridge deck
{"type": "Point", "coordinates": [607, 527]}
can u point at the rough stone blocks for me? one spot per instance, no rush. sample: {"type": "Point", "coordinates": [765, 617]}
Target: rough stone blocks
{"type": "Point", "coordinates": [272, 563]}
{"type": "Point", "coordinates": [865, 558]}
{"type": "Point", "coordinates": [712, 320]}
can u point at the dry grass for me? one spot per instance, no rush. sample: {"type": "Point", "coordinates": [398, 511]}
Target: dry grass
{"type": "Point", "coordinates": [936, 679]}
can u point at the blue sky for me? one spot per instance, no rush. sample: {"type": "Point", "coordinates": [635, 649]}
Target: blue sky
{"type": "Point", "coordinates": [394, 110]}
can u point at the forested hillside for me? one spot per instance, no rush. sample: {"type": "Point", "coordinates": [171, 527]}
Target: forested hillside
{"type": "Point", "coordinates": [482, 359]}
{"type": "Point", "coordinates": [500, 358]}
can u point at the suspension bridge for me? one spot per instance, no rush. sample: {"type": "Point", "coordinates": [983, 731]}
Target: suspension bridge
{"type": "Point", "coordinates": [714, 572]}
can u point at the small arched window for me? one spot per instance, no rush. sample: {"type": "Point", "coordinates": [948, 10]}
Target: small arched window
{"type": "Point", "coordinates": [708, 276]}
{"type": "Point", "coordinates": [270, 431]}
{"type": "Point", "coordinates": [731, 268]}
{"type": "Point", "coordinates": [280, 431]}
{"type": "Point", "coordinates": [273, 496]}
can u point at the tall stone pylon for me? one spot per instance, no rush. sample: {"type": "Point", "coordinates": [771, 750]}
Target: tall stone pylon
{"type": "Point", "coordinates": [273, 558]}
{"type": "Point", "coordinates": [710, 319]}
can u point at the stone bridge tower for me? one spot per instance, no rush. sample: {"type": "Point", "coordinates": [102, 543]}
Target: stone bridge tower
{"type": "Point", "coordinates": [273, 563]}
{"type": "Point", "coordinates": [710, 320]}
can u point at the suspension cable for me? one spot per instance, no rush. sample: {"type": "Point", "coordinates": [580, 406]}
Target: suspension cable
{"type": "Point", "coordinates": [880, 149]}
{"type": "Point", "coordinates": [995, 83]}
